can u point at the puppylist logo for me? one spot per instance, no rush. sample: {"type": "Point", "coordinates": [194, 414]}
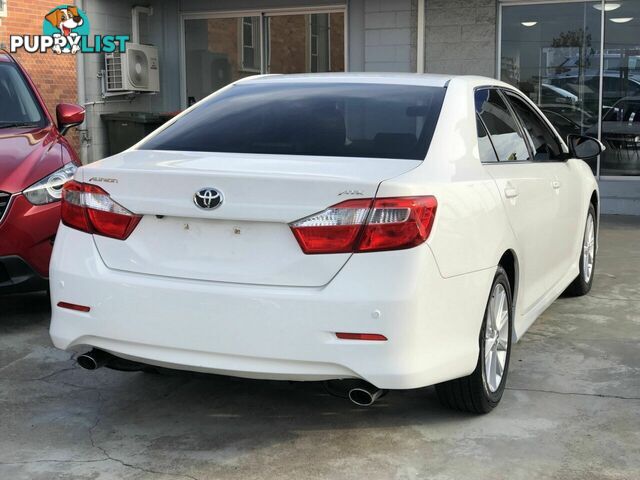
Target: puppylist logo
{"type": "Point", "coordinates": [65, 29]}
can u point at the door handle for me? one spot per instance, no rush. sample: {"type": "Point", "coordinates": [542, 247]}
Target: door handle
{"type": "Point", "coordinates": [555, 184]}
{"type": "Point", "coordinates": [511, 192]}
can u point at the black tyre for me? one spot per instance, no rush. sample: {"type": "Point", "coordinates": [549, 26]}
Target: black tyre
{"type": "Point", "coordinates": [582, 283]}
{"type": "Point", "coordinates": [481, 391]}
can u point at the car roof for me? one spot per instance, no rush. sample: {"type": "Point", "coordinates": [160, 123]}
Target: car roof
{"type": "Point", "coordinates": [417, 79]}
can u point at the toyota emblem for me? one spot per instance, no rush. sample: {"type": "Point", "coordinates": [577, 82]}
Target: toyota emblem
{"type": "Point", "coordinates": [207, 198]}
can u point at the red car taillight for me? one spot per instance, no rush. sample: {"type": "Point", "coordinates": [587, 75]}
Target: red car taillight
{"type": "Point", "coordinates": [90, 209]}
{"type": "Point", "coordinates": [367, 225]}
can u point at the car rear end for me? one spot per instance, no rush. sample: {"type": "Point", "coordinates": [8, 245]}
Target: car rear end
{"type": "Point", "coordinates": [297, 270]}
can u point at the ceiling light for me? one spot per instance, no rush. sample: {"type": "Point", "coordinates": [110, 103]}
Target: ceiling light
{"type": "Point", "coordinates": [621, 19]}
{"type": "Point", "coordinates": [608, 7]}
{"type": "Point", "coordinates": [529, 24]}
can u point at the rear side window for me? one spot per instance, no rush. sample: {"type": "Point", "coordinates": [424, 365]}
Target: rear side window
{"type": "Point", "coordinates": [485, 148]}
{"type": "Point", "coordinates": [544, 142]}
{"type": "Point", "coordinates": [326, 119]}
{"type": "Point", "coordinates": [501, 125]}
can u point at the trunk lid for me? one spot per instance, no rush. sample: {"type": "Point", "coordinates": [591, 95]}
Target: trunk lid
{"type": "Point", "coordinates": [246, 239]}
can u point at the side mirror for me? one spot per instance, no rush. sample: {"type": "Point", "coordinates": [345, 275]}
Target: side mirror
{"type": "Point", "coordinates": [584, 147]}
{"type": "Point", "coordinates": [69, 115]}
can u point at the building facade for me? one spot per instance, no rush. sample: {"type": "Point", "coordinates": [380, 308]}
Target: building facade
{"type": "Point", "coordinates": [578, 60]}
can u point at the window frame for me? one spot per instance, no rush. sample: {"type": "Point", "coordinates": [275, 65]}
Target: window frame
{"type": "Point", "coordinates": [493, 147]}
{"type": "Point", "coordinates": [255, 40]}
{"type": "Point", "coordinates": [518, 125]}
{"type": "Point", "coordinates": [564, 156]}
{"type": "Point", "coordinates": [311, 36]}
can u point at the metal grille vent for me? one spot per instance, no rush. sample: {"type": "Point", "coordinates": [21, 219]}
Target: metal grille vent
{"type": "Point", "coordinates": [4, 203]}
{"type": "Point", "coordinates": [113, 63]}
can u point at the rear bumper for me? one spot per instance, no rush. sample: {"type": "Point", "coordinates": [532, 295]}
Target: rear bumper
{"type": "Point", "coordinates": [276, 332]}
{"type": "Point", "coordinates": [17, 276]}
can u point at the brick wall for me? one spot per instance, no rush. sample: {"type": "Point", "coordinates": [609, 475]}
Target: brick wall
{"type": "Point", "coordinates": [337, 42]}
{"type": "Point", "coordinates": [54, 75]}
{"type": "Point", "coordinates": [461, 37]}
{"type": "Point", "coordinates": [288, 43]}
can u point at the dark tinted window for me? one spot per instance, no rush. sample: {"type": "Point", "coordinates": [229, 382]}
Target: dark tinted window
{"type": "Point", "coordinates": [485, 148]}
{"type": "Point", "coordinates": [502, 126]}
{"type": "Point", "coordinates": [17, 103]}
{"type": "Point", "coordinates": [351, 120]}
{"type": "Point", "coordinates": [544, 143]}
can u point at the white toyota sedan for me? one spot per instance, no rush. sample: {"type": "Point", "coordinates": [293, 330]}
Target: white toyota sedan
{"type": "Point", "coordinates": [392, 231]}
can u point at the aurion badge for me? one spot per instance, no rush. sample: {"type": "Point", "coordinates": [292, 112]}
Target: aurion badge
{"type": "Point", "coordinates": [208, 198]}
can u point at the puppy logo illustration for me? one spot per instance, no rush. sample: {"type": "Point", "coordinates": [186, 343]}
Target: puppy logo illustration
{"type": "Point", "coordinates": [66, 23]}
{"type": "Point", "coordinates": [65, 29]}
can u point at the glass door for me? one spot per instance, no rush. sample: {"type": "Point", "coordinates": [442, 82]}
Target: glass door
{"type": "Point", "coordinates": [552, 53]}
{"type": "Point", "coordinates": [621, 90]}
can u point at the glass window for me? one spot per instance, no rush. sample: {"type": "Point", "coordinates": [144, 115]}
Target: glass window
{"type": "Point", "coordinates": [502, 126]}
{"type": "Point", "coordinates": [319, 42]}
{"type": "Point", "coordinates": [305, 43]}
{"type": "Point", "coordinates": [351, 120]}
{"type": "Point", "coordinates": [551, 52]}
{"type": "Point", "coordinates": [485, 148]}
{"type": "Point", "coordinates": [544, 144]}
{"type": "Point", "coordinates": [19, 106]}
{"type": "Point", "coordinates": [621, 91]}
{"type": "Point", "coordinates": [219, 51]}
{"type": "Point", "coordinates": [250, 44]}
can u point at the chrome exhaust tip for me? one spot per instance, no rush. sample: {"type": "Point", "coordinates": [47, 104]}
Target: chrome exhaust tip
{"type": "Point", "coordinates": [365, 396]}
{"type": "Point", "coordinates": [92, 360]}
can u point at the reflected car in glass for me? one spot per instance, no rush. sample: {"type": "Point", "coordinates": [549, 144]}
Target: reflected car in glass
{"type": "Point", "coordinates": [391, 230]}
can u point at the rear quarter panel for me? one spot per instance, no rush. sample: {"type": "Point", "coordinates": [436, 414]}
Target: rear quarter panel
{"type": "Point", "coordinates": [471, 231]}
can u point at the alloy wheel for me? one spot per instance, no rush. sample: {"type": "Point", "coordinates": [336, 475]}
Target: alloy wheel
{"type": "Point", "coordinates": [588, 249]}
{"type": "Point", "coordinates": [496, 337]}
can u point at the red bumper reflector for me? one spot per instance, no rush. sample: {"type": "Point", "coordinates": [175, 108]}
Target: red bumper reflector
{"type": "Point", "coordinates": [73, 306]}
{"type": "Point", "coordinates": [376, 337]}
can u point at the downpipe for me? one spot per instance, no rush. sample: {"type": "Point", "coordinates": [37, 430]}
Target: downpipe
{"type": "Point", "coordinates": [97, 358]}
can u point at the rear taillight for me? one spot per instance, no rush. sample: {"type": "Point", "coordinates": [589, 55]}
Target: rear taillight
{"type": "Point", "coordinates": [367, 225]}
{"type": "Point", "coordinates": [90, 209]}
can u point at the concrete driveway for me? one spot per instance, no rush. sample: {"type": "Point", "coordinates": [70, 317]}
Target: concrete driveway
{"type": "Point", "coordinates": [571, 411]}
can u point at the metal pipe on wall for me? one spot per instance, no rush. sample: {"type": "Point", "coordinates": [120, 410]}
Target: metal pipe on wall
{"type": "Point", "coordinates": [420, 38]}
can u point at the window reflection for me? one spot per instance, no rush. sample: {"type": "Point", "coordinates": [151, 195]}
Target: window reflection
{"type": "Point", "coordinates": [621, 91]}
{"type": "Point", "coordinates": [552, 53]}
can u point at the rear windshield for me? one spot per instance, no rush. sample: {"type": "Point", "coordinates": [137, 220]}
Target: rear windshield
{"type": "Point", "coordinates": [328, 119]}
{"type": "Point", "coordinates": [18, 106]}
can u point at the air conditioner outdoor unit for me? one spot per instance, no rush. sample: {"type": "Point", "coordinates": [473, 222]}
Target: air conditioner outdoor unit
{"type": "Point", "coordinates": [135, 70]}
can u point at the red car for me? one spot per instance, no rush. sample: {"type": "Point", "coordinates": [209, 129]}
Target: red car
{"type": "Point", "coordinates": [35, 161]}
